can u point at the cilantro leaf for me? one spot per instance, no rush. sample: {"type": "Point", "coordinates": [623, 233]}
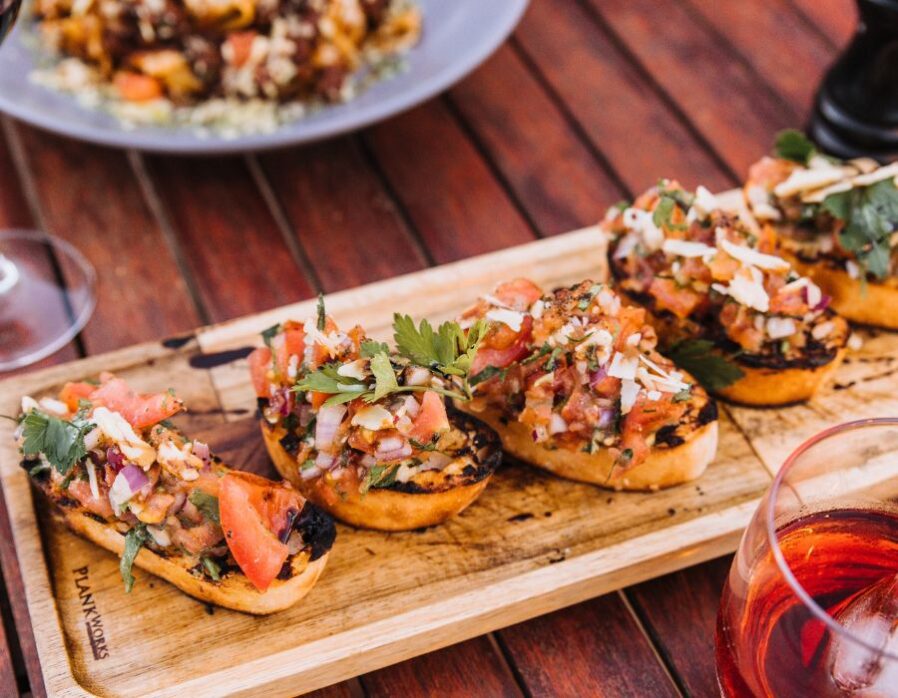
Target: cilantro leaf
{"type": "Point", "coordinates": [369, 348]}
{"type": "Point", "coordinates": [449, 349]}
{"type": "Point", "coordinates": [384, 376]}
{"type": "Point", "coordinates": [134, 541]}
{"type": "Point", "coordinates": [871, 216]}
{"type": "Point", "coordinates": [792, 144]}
{"type": "Point", "coordinates": [61, 441]}
{"type": "Point", "coordinates": [378, 476]}
{"type": "Point", "coordinates": [327, 380]}
{"type": "Point", "coordinates": [487, 373]}
{"type": "Point", "coordinates": [710, 368]}
{"type": "Point", "coordinates": [207, 504]}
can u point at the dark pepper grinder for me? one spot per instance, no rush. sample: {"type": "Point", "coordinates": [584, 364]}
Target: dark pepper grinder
{"type": "Point", "coordinates": [856, 112]}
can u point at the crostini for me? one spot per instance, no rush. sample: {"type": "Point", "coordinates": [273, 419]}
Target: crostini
{"type": "Point", "coordinates": [364, 432]}
{"type": "Point", "coordinates": [725, 307]}
{"type": "Point", "coordinates": [836, 221]}
{"type": "Point", "coordinates": [572, 383]}
{"type": "Point", "coordinates": [118, 473]}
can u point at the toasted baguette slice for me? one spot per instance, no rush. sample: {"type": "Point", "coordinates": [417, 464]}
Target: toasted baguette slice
{"type": "Point", "coordinates": [429, 498]}
{"type": "Point", "coordinates": [679, 455]}
{"type": "Point", "coordinates": [233, 591]}
{"type": "Point", "coordinates": [868, 303]}
{"type": "Point", "coordinates": [768, 380]}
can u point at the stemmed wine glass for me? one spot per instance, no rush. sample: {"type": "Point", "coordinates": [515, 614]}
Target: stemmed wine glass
{"type": "Point", "coordinates": [810, 607]}
{"type": "Point", "coordinates": [47, 287]}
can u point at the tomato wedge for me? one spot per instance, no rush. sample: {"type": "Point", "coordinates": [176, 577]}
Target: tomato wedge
{"type": "Point", "coordinates": [254, 511]}
{"type": "Point", "coordinates": [290, 342]}
{"type": "Point", "coordinates": [502, 346]}
{"type": "Point", "coordinates": [140, 410]}
{"type": "Point", "coordinates": [72, 393]}
{"type": "Point", "coordinates": [431, 418]}
{"type": "Point", "coordinates": [259, 363]}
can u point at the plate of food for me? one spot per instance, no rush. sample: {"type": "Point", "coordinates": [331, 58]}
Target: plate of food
{"type": "Point", "coordinates": [207, 77]}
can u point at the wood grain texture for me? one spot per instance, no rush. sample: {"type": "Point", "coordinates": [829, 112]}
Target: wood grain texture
{"type": "Point", "coordinates": [734, 102]}
{"type": "Point", "coordinates": [680, 611]}
{"type": "Point", "coordinates": [793, 73]}
{"type": "Point", "coordinates": [613, 100]}
{"type": "Point", "coordinates": [837, 19]}
{"type": "Point", "coordinates": [471, 668]}
{"type": "Point", "coordinates": [409, 593]}
{"type": "Point", "coordinates": [448, 191]}
{"type": "Point", "coordinates": [90, 197]}
{"type": "Point", "coordinates": [231, 244]}
{"type": "Point", "coordinates": [587, 649]}
{"type": "Point", "coordinates": [346, 222]}
{"type": "Point", "coordinates": [557, 178]}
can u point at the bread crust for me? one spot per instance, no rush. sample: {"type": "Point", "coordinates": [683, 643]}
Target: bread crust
{"type": "Point", "coordinates": [663, 467]}
{"type": "Point", "coordinates": [872, 303]}
{"type": "Point", "coordinates": [429, 499]}
{"type": "Point", "coordinates": [233, 591]}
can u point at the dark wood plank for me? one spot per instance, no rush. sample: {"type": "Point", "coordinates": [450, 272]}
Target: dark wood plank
{"type": "Point", "coordinates": [791, 57]}
{"type": "Point", "coordinates": [557, 178]}
{"type": "Point", "coordinates": [680, 612]}
{"type": "Point", "coordinates": [736, 112]}
{"type": "Point", "coordinates": [90, 197]}
{"type": "Point", "coordinates": [346, 222]}
{"type": "Point", "coordinates": [446, 187]}
{"type": "Point", "coordinates": [594, 648]}
{"type": "Point", "coordinates": [469, 668]}
{"type": "Point", "coordinates": [837, 19]}
{"type": "Point", "coordinates": [612, 99]}
{"type": "Point", "coordinates": [232, 246]}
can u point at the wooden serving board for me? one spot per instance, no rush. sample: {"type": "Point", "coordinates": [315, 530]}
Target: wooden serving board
{"type": "Point", "coordinates": [531, 544]}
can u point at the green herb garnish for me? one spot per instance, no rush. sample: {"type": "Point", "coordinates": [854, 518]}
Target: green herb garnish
{"type": "Point", "coordinates": [378, 476]}
{"type": "Point", "coordinates": [370, 348]}
{"type": "Point", "coordinates": [61, 441]}
{"type": "Point", "coordinates": [487, 373]}
{"type": "Point", "coordinates": [709, 367]}
{"type": "Point", "coordinates": [662, 215]}
{"type": "Point", "coordinates": [134, 541]}
{"type": "Point", "coordinates": [322, 316]}
{"type": "Point", "coordinates": [384, 377]}
{"type": "Point", "coordinates": [212, 568]}
{"type": "Point", "coordinates": [871, 216]}
{"type": "Point", "coordinates": [270, 333]}
{"type": "Point", "coordinates": [448, 350]}
{"type": "Point", "coordinates": [792, 144]}
{"type": "Point", "coordinates": [207, 504]}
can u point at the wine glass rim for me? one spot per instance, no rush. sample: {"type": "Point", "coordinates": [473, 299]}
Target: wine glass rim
{"type": "Point", "coordinates": [784, 568]}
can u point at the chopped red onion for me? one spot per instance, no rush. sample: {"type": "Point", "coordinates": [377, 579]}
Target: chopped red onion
{"type": "Point", "coordinates": [126, 484]}
{"type": "Point", "coordinates": [324, 461]}
{"type": "Point", "coordinates": [309, 473]}
{"type": "Point", "coordinates": [392, 448]}
{"type": "Point", "coordinates": [597, 376]}
{"type": "Point", "coordinates": [201, 451]}
{"type": "Point", "coordinates": [115, 458]}
{"type": "Point", "coordinates": [327, 424]}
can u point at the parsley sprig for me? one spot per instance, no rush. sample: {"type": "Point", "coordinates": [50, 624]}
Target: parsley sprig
{"type": "Point", "coordinates": [792, 144]}
{"type": "Point", "coordinates": [871, 216]}
{"type": "Point", "coordinates": [448, 351]}
{"type": "Point", "coordinates": [61, 441]}
{"type": "Point", "coordinates": [710, 368]}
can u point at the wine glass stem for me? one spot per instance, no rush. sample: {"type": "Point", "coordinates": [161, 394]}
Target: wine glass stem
{"type": "Point", "coordinates": [9, 275]}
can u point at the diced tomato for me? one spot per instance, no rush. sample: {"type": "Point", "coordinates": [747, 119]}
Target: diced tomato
{"type": "Point", "coordinates": [768, 172]}
{"type": "Point", "coordinates": [519, 293]}
{"type": "Point", "coordinates": [318, 399]}
{"type": "Point", "coordinates": [738, 322]}
{"type": "Point", "coordinates": [631, 320]}
{"type": "Point", "coordinates": [259, 364]}
{"type": "Point", "coordinates": [80, 491]}
{"type": "Point", "coordinates": [723, 267]}
{"type": "Point", "coordinates": [72, 393]}
{"type": "Point", "coordinates": [431, 418]}
{"type": "Point", "coordinates": [254, 513]}
{"type": "Point", "coordinates": [241, 44]}
{"type": "Point", "coordinates": [645, 418]}
{"type": "Point", "coordinates": [502, 346]}
{"type": "Point", "coordinates": [291, 341]}
{"type": "Point", "coordinates": [139, 409]}
{"type": "Point", "coordinates": [135, 87]}
{"type": "Point", "coordinates": [682, 302]}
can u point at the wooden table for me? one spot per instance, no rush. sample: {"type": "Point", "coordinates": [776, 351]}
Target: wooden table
{"type": "Point", "coordinates": [589, 102]}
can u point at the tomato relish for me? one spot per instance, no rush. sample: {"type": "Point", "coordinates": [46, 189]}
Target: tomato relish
{"type": "Point", "coordinates": [355, 414]}
{"type": "Point", "coordinates": [717, 275]}
{"type": "Point", "coordinates": [578, 367]}
{"type": "Point", "coordinates": [800, 200]}
{"type": "Point", "coordinates": [113, 451]}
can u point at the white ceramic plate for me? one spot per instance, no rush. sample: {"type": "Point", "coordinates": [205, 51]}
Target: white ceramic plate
{"type": "Point", "coordinates": [458, 35]}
